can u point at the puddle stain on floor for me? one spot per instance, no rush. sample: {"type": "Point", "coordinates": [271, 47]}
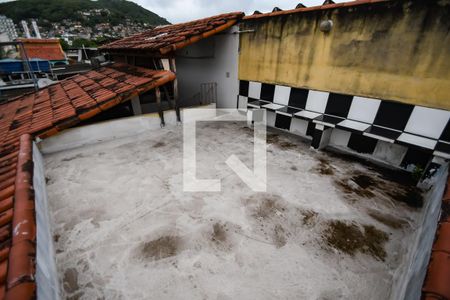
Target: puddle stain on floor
{"type": "Point", "coordinates": [396, 185]}
{"type": "Point", "coordinates": [163, 247]}
{"type": "Point", "coordinates": [350, 238]}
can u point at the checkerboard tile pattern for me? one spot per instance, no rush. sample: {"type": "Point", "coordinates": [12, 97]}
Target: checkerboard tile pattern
{"type": "Point", "coordinates": [420, 129]}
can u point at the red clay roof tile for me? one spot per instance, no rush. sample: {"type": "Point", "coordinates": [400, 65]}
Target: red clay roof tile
{"type": "Point", "coordinates": [73, 99]}
{"type": "Point", "coordinates": [436, 284]}
{"type": "Point", "coordinates": [45, 113]}
{"type": "Point", "coordinates": [5, 235]}
{"type": "Point", "coordinates": [6, 217]}
{"type": "Point", "coordinates": [4, 254]}
{"type": "Point", "coordinates": [312, 8]}
{"type": "Point", "coordinates": [166, 39]}
{"type": "Point", "coordinates": [21, 264]}
{"type": "Point", "coordinates": [7, 192]}
{"type": "Point", "coordinates": [3, 270]}
{"type": "Point", "coordinates": [26, 290]}
{"type": "Point", "coordinates": [6, 182]}
{"type": "Point", "coordinates": [443, 238]}
{"type": "Point", "coordinates": [49, 49]}
{"type": "Point", "coordinates": [5, 175]}
{"type": "Point", "coordinates": [6, 204]}
{"type": "Point", "coordinates": [6, 168]}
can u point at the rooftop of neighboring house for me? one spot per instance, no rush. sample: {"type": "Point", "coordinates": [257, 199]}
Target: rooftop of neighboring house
{"type": "Point", "coordinates": [43, 114]}
{"type": "Point", "coordinates": [165, 39]}
{"type": "Point", "coordinates": [49, 49]}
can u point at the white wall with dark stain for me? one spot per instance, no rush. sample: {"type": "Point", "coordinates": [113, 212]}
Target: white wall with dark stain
{"type": "Point", "coordinates": [214, 59]}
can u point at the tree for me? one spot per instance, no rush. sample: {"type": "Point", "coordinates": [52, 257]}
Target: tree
{"type": "Point", "coordinates": [79, 43]}
{"type": "Point", "coordinates": [65, 46]}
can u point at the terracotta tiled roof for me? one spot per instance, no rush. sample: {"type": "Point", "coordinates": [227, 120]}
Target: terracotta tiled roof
{"type": "Point", "coordinates": [326, 5]}
{"type": "Point", "coordinates": [437, 280]}
{"type": "Point", "coordinates": [43, 114]}
{"type": "Point", "coordinates": [165, 39]}
{"type": "Point", "coordinates": [49, 49]}
{"type": "Point", "coordinates": [18, 224]}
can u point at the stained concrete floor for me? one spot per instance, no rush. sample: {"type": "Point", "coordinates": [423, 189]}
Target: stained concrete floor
{"type": "Point", "coordinates": [123, 228]}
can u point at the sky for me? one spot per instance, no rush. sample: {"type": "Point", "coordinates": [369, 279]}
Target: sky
{"type": "Point", "coordinates": [176, 11]}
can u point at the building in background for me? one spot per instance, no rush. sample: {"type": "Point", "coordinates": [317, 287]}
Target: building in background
{"type": "Point", "coordinates": [26, 30]}
{"type": "Point", "coordinates": [36, 29]}
{"type": "Point", "coordinates": [4, 37]}
{"type": "Point", "coordinates": [48, 49]}
{"type": "Point", "coordinates": [7, 25]}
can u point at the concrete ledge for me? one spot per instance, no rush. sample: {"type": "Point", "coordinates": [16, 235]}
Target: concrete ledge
{"type": "Point", "coordinates": [109, 130]}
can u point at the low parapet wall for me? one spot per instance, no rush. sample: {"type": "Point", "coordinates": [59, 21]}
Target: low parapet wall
{"type": "Point", "coordinates": [410, 276]}
{"type": "Point", "coordinates": [109, 130]}
{"type": "Point", "coordinates": [46, 274]}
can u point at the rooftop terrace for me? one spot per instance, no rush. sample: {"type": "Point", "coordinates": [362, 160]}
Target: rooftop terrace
{"type": "Point", "coordinates": [126, 229]}
{"type": "Point", "coordinates": [331, 225]}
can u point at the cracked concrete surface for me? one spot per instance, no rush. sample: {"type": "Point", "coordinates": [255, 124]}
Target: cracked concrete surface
{"type": "Point", "coordinates": [124, 228]}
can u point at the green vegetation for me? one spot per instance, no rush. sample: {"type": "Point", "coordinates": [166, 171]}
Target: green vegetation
{"type": "Point", "coordinates": [79, 43]}
{"type": "Point", "coordinates": [57, 10]}
{"type": "Point", "coordinates": [417, 173]}
{"type": "Point", "coordinates": [64, 45]}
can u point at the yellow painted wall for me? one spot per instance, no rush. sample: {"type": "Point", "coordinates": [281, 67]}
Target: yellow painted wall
{"type": "Point", "coordinates": [397, 50]}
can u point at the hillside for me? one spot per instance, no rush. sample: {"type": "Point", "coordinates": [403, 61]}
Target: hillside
{"type": "Point", "coordinates": [110, 11]}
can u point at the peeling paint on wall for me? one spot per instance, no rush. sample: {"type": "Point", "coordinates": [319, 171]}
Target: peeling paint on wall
{"type": "Point", "coordinates": [395, 50]}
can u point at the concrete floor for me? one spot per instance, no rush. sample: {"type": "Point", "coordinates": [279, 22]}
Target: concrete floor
{"type": "Point", "coordinates": [124, 228]}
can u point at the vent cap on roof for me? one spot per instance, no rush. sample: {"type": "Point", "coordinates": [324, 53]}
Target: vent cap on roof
{"type": "Point", "coordinates": [300, 5]}
{"type": "Point", "coordinates": [276, 8]}
{"type": "Point", "coordinates": [257, 12]}
{"type": "Point", "coordinates": [328, 2]}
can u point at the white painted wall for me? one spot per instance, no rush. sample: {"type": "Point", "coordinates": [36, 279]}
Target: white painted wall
{"type": "Point", "coordinates": [339, 137]}
{"type": "Point", "coordinates": [270, 118]}
{"type": "Point", "coordinates": [46, 274]}
{"type": "Point", "coordinates": [325, 140]}
{"type": "Point", "coordinates": [299, 127]}
{"type": "Point", "coordinates": [386, 153]}
{"type": "Point", "coordinates": [390, 153]}
{"type": "Point", "coordinates": [214, 59]}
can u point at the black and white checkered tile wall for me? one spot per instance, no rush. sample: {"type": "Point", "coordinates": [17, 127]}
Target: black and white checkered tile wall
{"type": "Point", "coordinates": [362, 122]}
